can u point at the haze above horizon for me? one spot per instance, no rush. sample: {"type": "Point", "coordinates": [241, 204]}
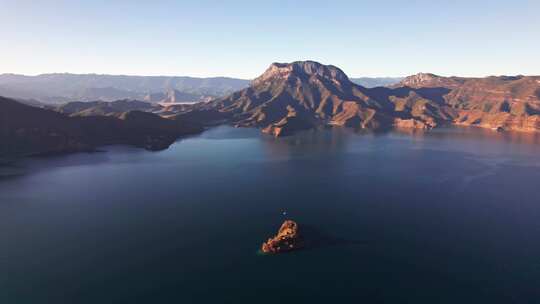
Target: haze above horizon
{"type": "Point", "coordinates": [241, 38]}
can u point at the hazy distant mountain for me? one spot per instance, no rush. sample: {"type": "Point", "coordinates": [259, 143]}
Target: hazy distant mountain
{"type": "Point", "coordinates": [62, 88]}
{"type": "Point", "coordinates": [174, 96]}
{"type": "Point", "coordinates": [372, 82]}
{"type": "Point", "coordinates": [59, 88]}
{"type": "Point", "coordinates": [422, 80]}
{"type": "Point", "coordinates": [97, 108]}
{"type": "Point", "coordinates": [34, 103]}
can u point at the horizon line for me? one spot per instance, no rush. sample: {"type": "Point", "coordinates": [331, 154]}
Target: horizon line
{"type": "Point", "coordinates": [242, 78]}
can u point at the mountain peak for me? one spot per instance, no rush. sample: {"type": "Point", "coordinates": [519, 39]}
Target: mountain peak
{"type": "Point", "coordinates": [420, 78]}
{"type": "Point", "coordinates": [430, 80]}
{"type": "Point", "coordinates": [301, 69]}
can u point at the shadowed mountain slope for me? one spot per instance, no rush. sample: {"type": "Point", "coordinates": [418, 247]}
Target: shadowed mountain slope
{"type": "Point", "coordinates": [27, 130]}
{"type": "Point", "coordinates": [96, 108]}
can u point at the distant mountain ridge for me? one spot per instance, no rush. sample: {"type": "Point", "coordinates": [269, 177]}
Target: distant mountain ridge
{"type": "Point", "coordinates": [100, 108]}
{"type": "Point", "coordinates": [58, 88]}
{"type": "Point", "coordinates": [65, 87]}
{"type": "Point", "coordinates": [373, 82]}
{"type": "Point", "coordinates": [421, 80]}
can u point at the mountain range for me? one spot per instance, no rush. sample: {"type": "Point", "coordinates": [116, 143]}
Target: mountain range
{"type": "Point", "coordinates": [497, 102]}
{"type": "Point", "coordinates": [286, 98]}
{"type": "Point", "coordinates": [301, 95]}
{"type": "Point", "coordinates": [62, 88]}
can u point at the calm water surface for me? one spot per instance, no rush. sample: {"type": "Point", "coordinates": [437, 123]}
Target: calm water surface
{"type": "Point", "coordinates": [451, 216]}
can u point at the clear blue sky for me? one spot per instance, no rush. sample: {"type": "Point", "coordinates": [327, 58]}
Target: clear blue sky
{"type": "Point", "coordinates": [241, 38]}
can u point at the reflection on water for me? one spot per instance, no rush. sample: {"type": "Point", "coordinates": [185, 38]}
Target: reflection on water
{"type": "Point", "coordinates": [337, 139]}
{"type": "Point", "coordinates": [311, 142]}
{"type": "Point", "coordinates": [21, 167]}
{"type": "Point", "coordinates": [313, 239]}
{"type": "Point", "coordinates": [482, 134]}
{"type": "Point", "coordinates": [316, 143]}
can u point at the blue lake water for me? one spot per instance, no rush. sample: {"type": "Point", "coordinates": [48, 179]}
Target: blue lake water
{"type": "Point", "coordinates": [448, 216]}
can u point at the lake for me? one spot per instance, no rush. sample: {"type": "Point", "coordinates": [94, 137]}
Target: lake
{"type": "Point", "coordinates": [447, 216]}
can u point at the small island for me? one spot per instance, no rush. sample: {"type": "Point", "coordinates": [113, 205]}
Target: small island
{"type": "Point", "coordinates": [287, 239]}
